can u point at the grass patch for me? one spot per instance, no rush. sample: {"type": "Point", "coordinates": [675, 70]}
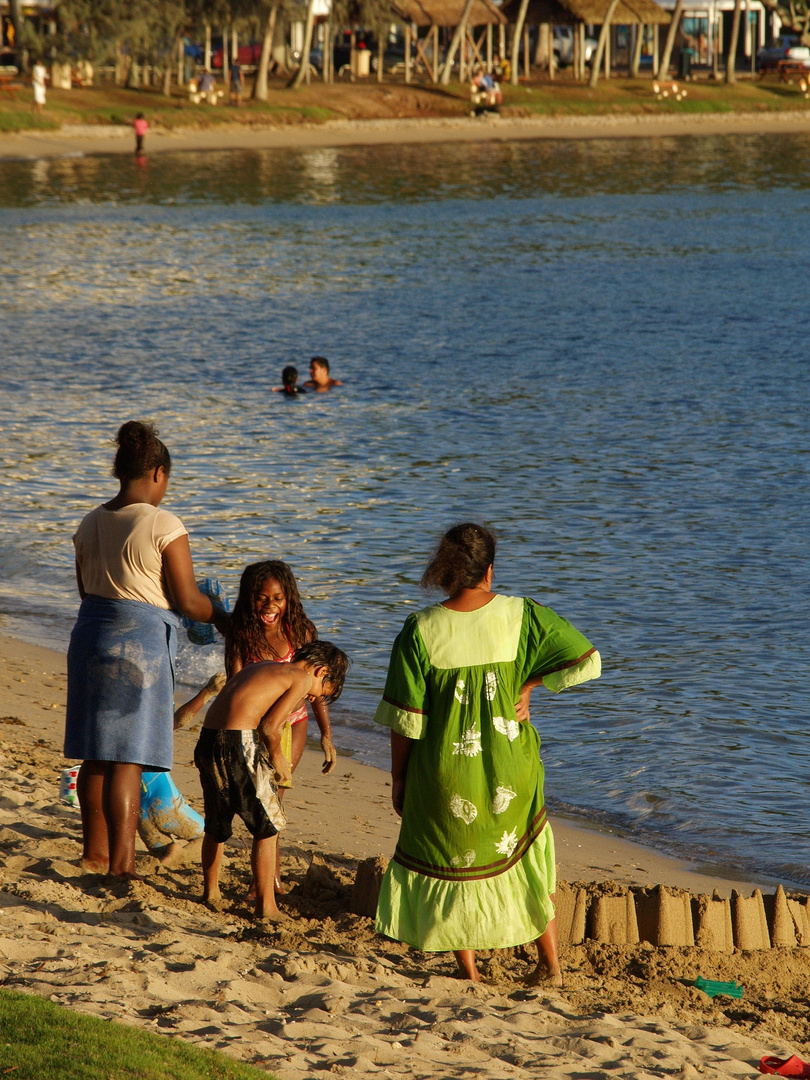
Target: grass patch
{"type": "Point", "coordinates": [24, 120]}
{"type": "Point", "coordinates": [630, 97]}
{"type": "Point", "coordinates": [117, 105]}
{"type": "Point", "coordinates": [42, 1041]}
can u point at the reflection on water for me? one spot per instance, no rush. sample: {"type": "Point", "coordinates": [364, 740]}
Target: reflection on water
{"type": "Point", "coordinates": [415, 174]}
{"type": "Point", "coordinates": [595, 346]}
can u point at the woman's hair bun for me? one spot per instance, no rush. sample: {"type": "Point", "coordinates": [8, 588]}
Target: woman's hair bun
{"type": "Point", "coordinates": [461, 560]}
{"type": "Point", "coordinates": [140, 451]}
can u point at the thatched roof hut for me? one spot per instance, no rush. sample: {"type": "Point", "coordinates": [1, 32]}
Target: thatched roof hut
{"type": "Point", "coordinates": [571, 12]}
{"type": "Point", "coordinates": [448, 12]}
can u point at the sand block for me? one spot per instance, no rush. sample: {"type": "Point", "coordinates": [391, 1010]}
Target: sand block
{"type": "Point", "coordinates": [320, 881]}
{"type": "Point", "coordinates": [799, 911]}
{"type": "Point", "coordinates": [711, 917]}
{"type": "Point", "coordinates": [780, 921]}
{"type": "Point", "coordinates": [612, 920]}
{"type": "Point", "coordinates": [367, 882]}
{"type": "Point", "coordinates": [748, 922]}
{"type": "Point", "coordinates": [665, 916]}
{"type": "Point", "coordinates": [570, 904]}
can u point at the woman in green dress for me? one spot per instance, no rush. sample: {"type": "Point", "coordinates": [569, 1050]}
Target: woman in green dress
{"type": "Point", "coordinates": [474, 864]}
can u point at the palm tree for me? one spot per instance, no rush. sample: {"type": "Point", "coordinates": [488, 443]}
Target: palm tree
{"type": "Point", "coordinates": [675, 22]}
{"type": "Point", "coordinates": [596, 63]}
{"type": "Point", "coordinates": [731, 57]}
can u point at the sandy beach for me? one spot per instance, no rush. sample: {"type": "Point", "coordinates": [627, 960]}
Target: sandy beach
{"type": "Point", "coordinates": [322, 992]}
{"type": "Point", "coordinates": [74, 140]}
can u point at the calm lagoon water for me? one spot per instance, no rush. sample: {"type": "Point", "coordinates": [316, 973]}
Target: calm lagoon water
{"type": "Point", "coordinates": [598, 347]}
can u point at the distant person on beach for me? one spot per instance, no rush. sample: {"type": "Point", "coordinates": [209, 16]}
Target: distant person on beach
{"type": "Point", "coordinates": [474, 866]}
{"type": "Point", "coordinates": [134, 572]}
{"type": "Point", "coordinates": [38, 77]}
{"type": "Point", "coordinates": [235, 85]}
{"type": "Point", "coordinates": [141, 127]}
{"type": "Point", "coordinates": [240, 759]}
{"type": "Point", "coordinates": [206, 83]}
{"type": "Point", "coordinates": [269, 623]}
{"type": "Point", "coordinates": [165, 816]}
{"type": "Point", "coordinates": [319, 378]}
{"type": "Point", "coordinates": [485, 91]}
{"type": "Point", "coordinates": [289, 382]}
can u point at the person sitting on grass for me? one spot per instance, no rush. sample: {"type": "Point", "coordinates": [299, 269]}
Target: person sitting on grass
{"type": "Point", "coordinates": [240, 760]}
{"type": "Point", "coordinates": [319, 378]}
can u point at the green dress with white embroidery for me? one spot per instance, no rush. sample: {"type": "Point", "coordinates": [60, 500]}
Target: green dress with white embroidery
{"type": "Point", "coordinates": [474, 865]}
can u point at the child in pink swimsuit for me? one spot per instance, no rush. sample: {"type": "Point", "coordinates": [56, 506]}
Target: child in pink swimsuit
{"type": "Point", "coordinates": [269, 623]}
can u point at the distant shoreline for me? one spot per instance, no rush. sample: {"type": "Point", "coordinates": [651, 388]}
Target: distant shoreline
{"type": "Point", "coordinates": [77, 140]}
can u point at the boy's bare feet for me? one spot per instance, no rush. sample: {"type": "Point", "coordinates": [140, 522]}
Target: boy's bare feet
{"type": "Point", "coordinates": [270, 918]}
{"type": "Point", "coordinates": [212, 898]}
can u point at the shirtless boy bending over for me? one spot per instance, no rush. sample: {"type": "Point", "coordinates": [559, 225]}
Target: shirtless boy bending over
{"type": "Point", "coordinates": [240, 759]}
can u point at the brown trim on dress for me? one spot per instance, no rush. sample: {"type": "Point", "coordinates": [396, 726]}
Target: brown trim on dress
{"type": "Point", "coordinates": [475, 873]}
{"type": "Point", "coordinates": [404, 708]}
{"type": "Point", "coordinates": [571, 663]}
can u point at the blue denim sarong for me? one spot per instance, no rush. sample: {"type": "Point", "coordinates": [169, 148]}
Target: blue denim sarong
{"type": "Point", "coordinates": [120, 698]}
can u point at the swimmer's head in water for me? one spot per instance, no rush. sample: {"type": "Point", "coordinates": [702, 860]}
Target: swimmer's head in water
{"type": "Point", "coordinates": [319, 369]}
{"type": "Point", "coordinates": [289, 376]}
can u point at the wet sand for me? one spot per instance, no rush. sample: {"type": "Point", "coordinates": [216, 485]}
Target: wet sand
{"type": "Point", "coordinates": [322, 991]}
{"type": "Point", "coordinates": [76, 140]}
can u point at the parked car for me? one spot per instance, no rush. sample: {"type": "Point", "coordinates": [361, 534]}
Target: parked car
{"type": "Point", "coordinates": [564, 46]}
{"type": "Point", "coordinates": [785, 47]}
{"type": "Point", "coordinates": [249, 55]}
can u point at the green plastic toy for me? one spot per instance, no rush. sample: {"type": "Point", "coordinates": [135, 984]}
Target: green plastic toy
{"type": "Point", "coordinates": [715, 989]}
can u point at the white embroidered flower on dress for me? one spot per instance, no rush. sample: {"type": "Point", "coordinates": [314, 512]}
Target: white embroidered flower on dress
{"type": "Point", "coordinates": [463, 809]}
{"type": "Point", "coordinates": [507, 843]}
{"type": "Point", "coordinates": [470, 745]}
{"type": "Point", "coordinates": [461, 693]}
{"type": "Point", "coordinates": [467, 859]}
{"type": "Point", "coordinates": [503, 796]}
{"type": "Point", "coordinates": [509, 728]}
{"type": "Point", "coordinates": [490, 685]}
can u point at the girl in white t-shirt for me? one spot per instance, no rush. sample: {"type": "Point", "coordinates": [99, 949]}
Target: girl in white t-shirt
{"type": "Point", "coordinates": [134, 572]}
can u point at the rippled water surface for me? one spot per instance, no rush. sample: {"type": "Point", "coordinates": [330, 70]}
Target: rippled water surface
{"type": "Point", "coordinates": [598, 347]}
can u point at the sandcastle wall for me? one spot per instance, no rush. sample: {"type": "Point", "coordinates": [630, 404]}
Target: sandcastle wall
{"type": "Point", "coordinates": [665, 917]}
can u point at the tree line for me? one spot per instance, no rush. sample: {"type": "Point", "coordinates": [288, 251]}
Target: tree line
{"type": "Point", "coordinates": [145, 40]}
